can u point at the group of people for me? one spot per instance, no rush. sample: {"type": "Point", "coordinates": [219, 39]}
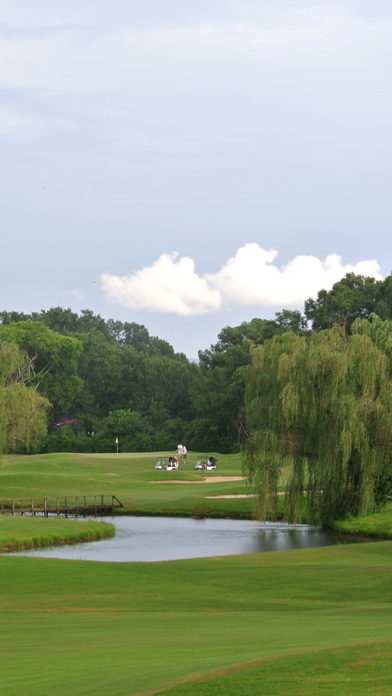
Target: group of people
{"type": "Point", "coordinates": [182, 452]}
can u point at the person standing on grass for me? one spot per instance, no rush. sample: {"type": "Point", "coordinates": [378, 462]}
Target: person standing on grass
{"type": "Point", "coordinates": [179, 450]}
{"type": "Point", "coordinates": [184, 453]}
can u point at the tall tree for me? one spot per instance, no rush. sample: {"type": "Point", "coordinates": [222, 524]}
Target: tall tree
{"type": "Point", "coordinates": [22, 410]}
{"type": "Point", "coordinates": [218, 396]}
{"type": "Point", "coordinates": [353, 297]}
{"type": "Point", "coordinates": [55, 361]}
{"type": "Point", "coordinates": [321, 406]}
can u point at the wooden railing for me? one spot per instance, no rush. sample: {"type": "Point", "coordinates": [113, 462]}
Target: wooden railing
{"type": "Point", "coordinates": [77, 505]}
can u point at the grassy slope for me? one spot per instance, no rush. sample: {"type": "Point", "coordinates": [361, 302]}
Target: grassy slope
{"type": "Point", "coordinates": [117, 629]}
{"type": "Point", "coordinates": [121, 629]}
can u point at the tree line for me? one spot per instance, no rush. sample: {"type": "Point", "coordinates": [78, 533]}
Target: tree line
{"type": "Point", "coordinates": [105, 379]}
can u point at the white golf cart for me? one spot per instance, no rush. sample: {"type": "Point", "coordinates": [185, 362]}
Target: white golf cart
{"type": "Point", "coordinates": [206, 464]}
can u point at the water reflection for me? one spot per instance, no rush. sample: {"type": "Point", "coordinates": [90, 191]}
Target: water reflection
{"type": "Point", "coordinates": [164, 538]}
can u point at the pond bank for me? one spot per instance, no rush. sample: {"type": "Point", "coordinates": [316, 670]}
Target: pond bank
{"type": "Point", "coordinates": [21, 533]}
{"type": "Point", "coordinates": [375, 526]}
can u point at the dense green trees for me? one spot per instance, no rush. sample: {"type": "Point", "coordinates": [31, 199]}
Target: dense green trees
{"type": "Point", "coordinates": [90, 368]}
{"type": "Point", "coordinates": [353, 297]}
{"type": "Point", "coordinates": [55, 359]}
{"type": "Point", "coordinates": [93, 371]}
{"type": "Point", "coordinates": [218, 396]}
{"type": "Point", "coordinates": [322, 407]}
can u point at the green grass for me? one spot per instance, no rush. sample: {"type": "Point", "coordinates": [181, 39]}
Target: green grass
{"type": "Point", "coordinates": [314, 621]}
{"type": "Point", "coordinates": [131, 477]}
{"type": "Point", "coordinates": [117, 629]}
{"type": "Point", "coordinates": [378, 525]}
{"type": "Point", "coordinates": [18, 533]}
{"type": "Point", "coordinates": [360, 671]}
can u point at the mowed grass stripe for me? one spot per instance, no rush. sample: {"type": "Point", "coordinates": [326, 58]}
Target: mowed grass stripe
{"type": "Point", "coordinates": [364, 670]}
{"type": "Point", "coordinates": [131, 654]}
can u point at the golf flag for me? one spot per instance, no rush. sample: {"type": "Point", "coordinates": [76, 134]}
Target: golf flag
{"type": "Point", "coordinates": [116, 440]}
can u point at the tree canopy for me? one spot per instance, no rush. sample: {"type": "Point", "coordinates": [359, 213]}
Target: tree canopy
{"type": "Point", "coordinates": [93, 370]}
{"type": "Point", "coordinates": [55, 361]}
{"type": "Point", "coordinates": [320, 409]}
{"type": "Point", "coordinates": [22, 410]}
{"type": "Point", "coordinates": [352, 297]}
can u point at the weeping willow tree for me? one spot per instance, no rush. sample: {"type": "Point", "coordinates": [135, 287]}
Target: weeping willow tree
{"type": "Point", "coordinates": [321, 407]}
{"type": "Point", "coordinates": [22, 410]}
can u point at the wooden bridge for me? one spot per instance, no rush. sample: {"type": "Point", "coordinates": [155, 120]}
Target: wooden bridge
{"type": "Point", "coordinates": [79, 505]}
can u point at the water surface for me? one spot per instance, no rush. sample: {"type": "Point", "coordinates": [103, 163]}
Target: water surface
{"type": "Point", "coordinates": [165, 538]}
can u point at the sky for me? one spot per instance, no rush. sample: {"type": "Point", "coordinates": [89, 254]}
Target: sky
{"type": "Point", "coordinates": [192, 165]}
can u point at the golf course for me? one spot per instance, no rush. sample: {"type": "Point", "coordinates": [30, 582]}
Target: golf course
{"type": "Point", "coordinates": [295, 622]}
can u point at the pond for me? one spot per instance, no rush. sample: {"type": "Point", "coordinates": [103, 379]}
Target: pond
{"type": "Point", "coordinates": [167, 538]}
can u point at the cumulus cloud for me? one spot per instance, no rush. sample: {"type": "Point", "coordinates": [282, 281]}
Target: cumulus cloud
{"type": "Point", "coordinates": [170, 285]}
{"type": "Point", "coordinates": [251, 278]}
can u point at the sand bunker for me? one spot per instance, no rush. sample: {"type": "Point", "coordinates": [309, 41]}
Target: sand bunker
{"type": "Point", "coordinates": [240, 495]}
{"type": "Point", "coordinates": [209, 479]}
{"type": "Point", "coordinates": [222, 479]}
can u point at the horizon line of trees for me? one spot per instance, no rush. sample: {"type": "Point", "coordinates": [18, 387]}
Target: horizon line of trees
{"type": "Point", "coordinates": [106, 379]}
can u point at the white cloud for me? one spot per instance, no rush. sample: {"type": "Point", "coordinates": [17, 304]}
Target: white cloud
{"type": "Point", "coordinates": [169, 285]}
{"type": "Point", "coordinates": [251, 278]}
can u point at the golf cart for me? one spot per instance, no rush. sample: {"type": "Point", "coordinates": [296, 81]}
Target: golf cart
{"type": "Point", "coordinates": [211, 463]}
{"type": "Point", "coordinates": [206, 464]}
{"type": "Point", "coordinates": [172, 465]}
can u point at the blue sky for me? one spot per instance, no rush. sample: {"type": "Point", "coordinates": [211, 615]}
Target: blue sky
{"type": "Point", "coordinates": [191, 165]}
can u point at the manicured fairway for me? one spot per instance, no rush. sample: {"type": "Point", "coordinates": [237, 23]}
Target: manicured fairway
{"type": "Point", "coordinates": [361, 671]}
{"type": "Point", "coordinates": [315, 621]}
{"type": "Point", "coordinates": [132, 478]}
{"type": "Point", "coordinates": [122, 629]}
